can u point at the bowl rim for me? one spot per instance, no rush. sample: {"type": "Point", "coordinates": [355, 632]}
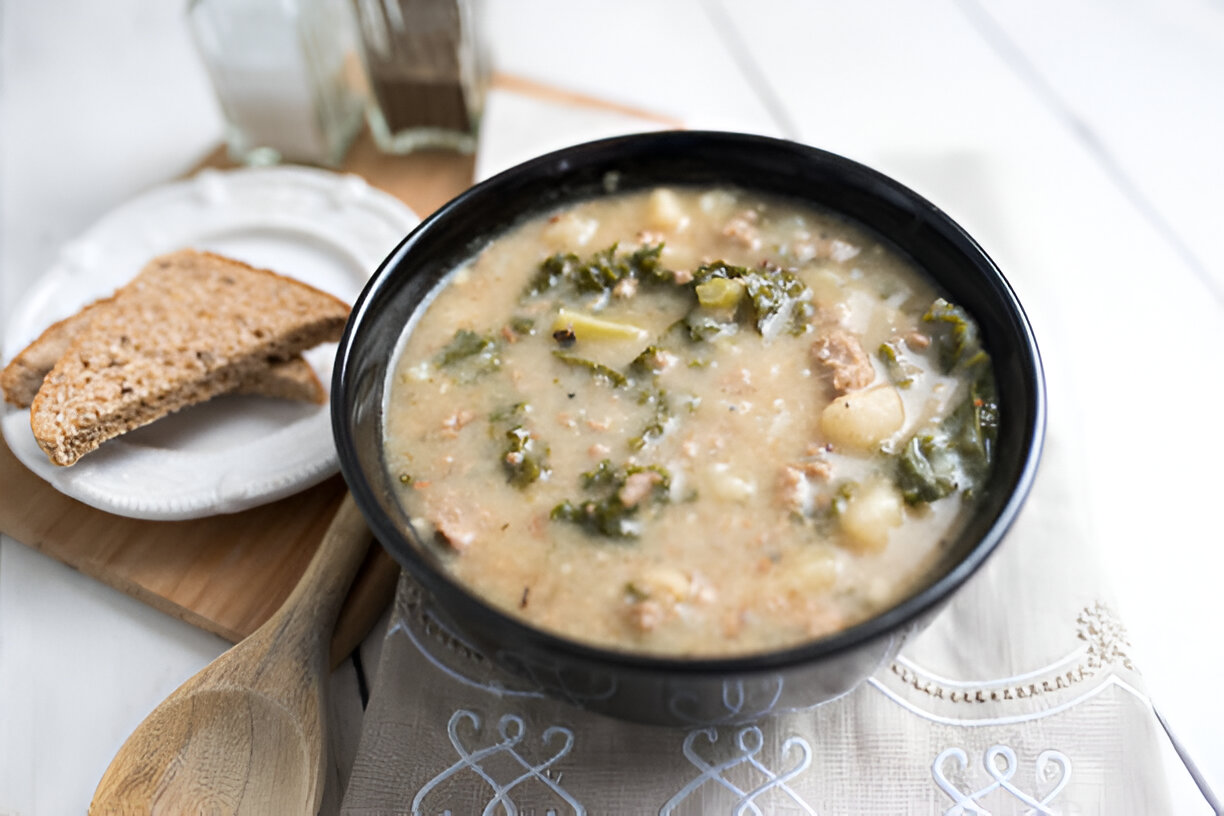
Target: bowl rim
{"type": "Point", "coordinates": [889, 622]}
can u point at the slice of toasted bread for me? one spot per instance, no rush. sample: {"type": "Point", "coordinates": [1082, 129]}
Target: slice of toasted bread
{"type": "Point", "coordinates": [291, 379]}
{"type": "Point", "coordinates": [190, 326]}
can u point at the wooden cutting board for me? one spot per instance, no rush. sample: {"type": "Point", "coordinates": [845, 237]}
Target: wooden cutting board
{"type": "Point", "coordinates": [226, 574]}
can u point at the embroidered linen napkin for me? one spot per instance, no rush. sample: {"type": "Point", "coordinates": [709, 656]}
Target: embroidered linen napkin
{"type": "Point", "coordinates": [1019, 698]}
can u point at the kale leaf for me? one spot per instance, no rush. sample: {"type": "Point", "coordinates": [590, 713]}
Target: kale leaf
{"type": "Point", "coordinates": [608, 515]}
{"type": "Point", "coordinates": [597, 369]}
{"type": "Point", "coordinates": [523, 460]}
{"type": "Point", "coordinates": [469, 355]}
{"type": "Point", "coordinates": [958, 454]}
{"type": "Point", "coordinates": [955, 335]}
{"type": "Point", "coordinates": [600, 272]}
{"type": "Point", "coordinates": [777, 298]}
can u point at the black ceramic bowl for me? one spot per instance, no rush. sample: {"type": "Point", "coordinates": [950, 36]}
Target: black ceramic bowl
{"type": "Point", "coordinates": [659, 689]}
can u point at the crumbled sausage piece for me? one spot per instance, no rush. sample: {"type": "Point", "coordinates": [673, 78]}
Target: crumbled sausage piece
{"type": "Point", "coordinates": [646, 615]}
{"type": "Point", "coordinates": [452, 424]}
{"type": "Point", "coordinates": [737, 382]}
{"type": "Point", "coordinates": [796, 489]}
{"type": "Point", "coordinates": [842, 353]}
{"type": "Point", "coordinates": [625, 288]}
{"type": "Point", "coordinates": [659, 360]}
{"type": "Point", "coordinates": [917, 340]}
{"type": "Point", "coordinates": [817, 470]}
{"type": "Point", "coordinates": [637, 487]}
{"type": "Point", "coordinates": [742, 228]}
{"type": "Point", "coordinates": [684, 276]}
{"type": "Point", "coordinates": [452, 523]}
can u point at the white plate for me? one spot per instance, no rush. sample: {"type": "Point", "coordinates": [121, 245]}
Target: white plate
{"type": "Point", "coordinates": [234, 452]}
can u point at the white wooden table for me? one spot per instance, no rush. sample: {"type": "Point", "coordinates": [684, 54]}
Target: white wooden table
{"type": "Point", "coordinates": [1079, 141]}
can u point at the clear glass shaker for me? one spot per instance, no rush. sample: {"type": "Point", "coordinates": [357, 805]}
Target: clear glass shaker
{"type": "Point", "coordinates": [427, 80]}
{"type": "Point", "coordinates": [286, 75]}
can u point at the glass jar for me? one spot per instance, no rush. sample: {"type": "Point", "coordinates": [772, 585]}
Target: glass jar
{"type": "Point", "coordinates": [286, 75]}
{"type": "Point", "coordinates": [426, 78]}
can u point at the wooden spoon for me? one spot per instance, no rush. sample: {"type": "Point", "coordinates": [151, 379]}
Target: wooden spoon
{"type": "Point", "coordinates": [246, 734]}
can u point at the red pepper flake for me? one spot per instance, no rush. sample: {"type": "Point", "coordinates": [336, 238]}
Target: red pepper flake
{"type": "Point", "coordinates": [421, 485]}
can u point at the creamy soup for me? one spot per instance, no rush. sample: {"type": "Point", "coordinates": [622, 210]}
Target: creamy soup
{"type": "Point", "coordinates": [691, 422]}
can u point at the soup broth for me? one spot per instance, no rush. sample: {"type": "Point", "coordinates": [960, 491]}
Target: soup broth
{"type": "Point", "coordinates": [691, 422]}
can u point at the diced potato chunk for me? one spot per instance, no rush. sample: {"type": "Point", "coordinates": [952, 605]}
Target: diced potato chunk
{"type": "Point", "coordinates": [870, 514]}
{"type": "Point", "coordinates": [720, 293]}
{"type": "Point", "coordinates": [861, 420]}
{"type": "Point", "coordinates": [730, 487]}
{"type": "Point", "coordinates": [665, 212]}
{"type": "Point", "coordinates": [569, 230]}
{"type": "Point", "coordinates": [717, 202]}
{"type": "Point", "coordinates": [586, 327]}
{"type": "Point", "coordinates": [666, 584]}
{"type": "Point", "coordinates": [826, 286]}
{"type": "Point", "coordinates": [815, 569]}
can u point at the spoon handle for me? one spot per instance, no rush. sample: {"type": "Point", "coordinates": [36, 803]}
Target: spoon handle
{"type": "Point", "coordinates": [370, 595]}
{"type": "Point", "coordinates": [315, 601]}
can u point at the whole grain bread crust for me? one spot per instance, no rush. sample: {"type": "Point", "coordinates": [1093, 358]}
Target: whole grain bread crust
{"type": "Point", "coordinates": [190, 326]}
{"type": "Point", "coordinates": [292, 379]}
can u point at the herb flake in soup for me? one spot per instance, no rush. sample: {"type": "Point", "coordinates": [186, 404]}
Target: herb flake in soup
{"type": "Point", "coordinates": [690, 422]}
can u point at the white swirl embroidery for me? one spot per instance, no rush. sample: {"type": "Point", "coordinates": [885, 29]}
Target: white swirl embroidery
{"type": "Point", "coordinates": [969, 803]}
{"type": "Point", "coordinates": [740, 704]}
{"type": "Point", "coordinates": [581, 689]}
{"type": "Point", "coordinates": [511, 730]}
{"type": "Point", "coordinates": [749, 741]}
